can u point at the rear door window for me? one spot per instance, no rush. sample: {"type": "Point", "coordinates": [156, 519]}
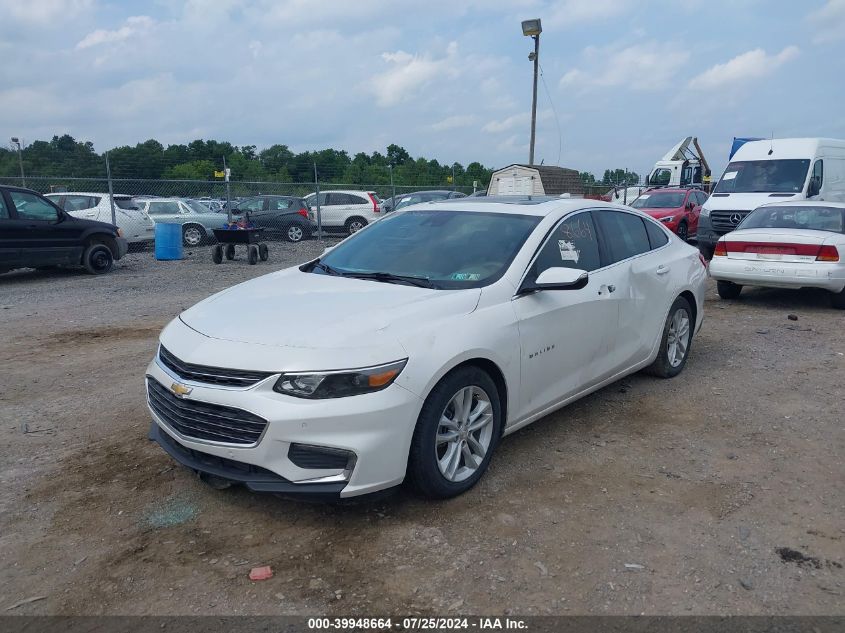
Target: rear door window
{"type": "Point", "coordinates": [168, 207]}
{"type": "Point", "coordinates": [80, 203]}
{"type": "Point", "coordinates": [4, 211]}
{"type": "Point", "coordinates": [624, 234]}
{"type": "Point", "coordinates": [656, 236]}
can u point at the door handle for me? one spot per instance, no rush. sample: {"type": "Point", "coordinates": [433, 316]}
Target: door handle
{"type": "Point", "coordinates": [662, 270]}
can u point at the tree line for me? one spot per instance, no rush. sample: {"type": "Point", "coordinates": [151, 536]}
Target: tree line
{"type": "Point", "coordinates": [64, 156]}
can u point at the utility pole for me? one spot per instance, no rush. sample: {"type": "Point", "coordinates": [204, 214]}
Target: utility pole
{"type": "Point", "coordinates": [453, 176]}
{"type": "Point", "coordinates": [317, 199]}
{"type": "Point", "coordinates": [392, 189]}
{"type": "Point", "coordinates": [111, 190]}
{"type": "Point", "coordinates": [534, 99]}
{"type": "Point", "coordinates": [17, 142]}
{"type": "Point", "coordinates": [228, 193]}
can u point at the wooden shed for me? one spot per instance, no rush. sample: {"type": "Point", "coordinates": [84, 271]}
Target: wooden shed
{"type": "Point", "coordinates": [536, 180]}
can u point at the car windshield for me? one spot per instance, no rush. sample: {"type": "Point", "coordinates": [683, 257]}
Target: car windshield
{"type": "Point", "coordinates": [813, 218]}
{"type": "Point", "coordinates": [195, 206]}
{"type": "Point", "coordinates": [665, 200]}
{"type": "Point", "coordinates": [447, 249]}
{"type": "Point", "coordinates": [764, 176]}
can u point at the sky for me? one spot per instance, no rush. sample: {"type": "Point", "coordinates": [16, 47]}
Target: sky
{"type": "Point", "coordinates": [622, 80]}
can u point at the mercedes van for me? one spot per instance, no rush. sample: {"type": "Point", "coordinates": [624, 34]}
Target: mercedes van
{"type": "Point", "coordinates": [773, 170]}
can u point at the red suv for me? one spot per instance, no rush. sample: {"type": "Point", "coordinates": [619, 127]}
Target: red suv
{"type": "Point", "coordinates": [678, 209]}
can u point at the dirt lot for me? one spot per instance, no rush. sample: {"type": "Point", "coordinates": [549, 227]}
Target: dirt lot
{"type": "Point", "coordinates": [650, 496]}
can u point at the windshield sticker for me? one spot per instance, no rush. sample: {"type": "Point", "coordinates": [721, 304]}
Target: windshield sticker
{"type": "Point", "coordinates": [466, 276]}
{"type": "Point", "coordinates": [568, 252]}
{"type": "Point", "coordinates": [729, 175]}
{"type": "Point", "coordinates": [645, 196]}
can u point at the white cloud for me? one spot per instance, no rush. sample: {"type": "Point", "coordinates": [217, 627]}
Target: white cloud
{"type": "Point", "coordinates": [504, 125]}
{"type": "Point", "coordinates": [647, 66]}
{"type": "Point", "coordinates": [42, 11]}
{"type": "Point", "coordinates": [750, 65]}
{"type": "Point", "coordinates": [571, 12]}
{"type": "Point", "coordinates": [454, 122]}
{"type": "Point", "coordinates": [829, 21]}
{"type": "Point", "coordinates": [409, 73]}
{"type": "Point", "coordinates": [133, 26]}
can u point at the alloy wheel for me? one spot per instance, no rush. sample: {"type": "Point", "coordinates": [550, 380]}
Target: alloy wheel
{"type": "Point", "coordinates": [683, 231]}
{"type": "Point", "coordinates": [294, 234]}
{"type": "Point", "coordinates": [679, 336]}
{"type": "Point", "coordinates": [192, 236]}
{"type": "Point", "coordinates": [355, 226]}
{"type": "Point", "coordinates": [464, 433]}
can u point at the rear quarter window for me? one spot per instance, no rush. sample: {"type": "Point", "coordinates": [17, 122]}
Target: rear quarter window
{"type": "Point", "coordinates": [656, 235]}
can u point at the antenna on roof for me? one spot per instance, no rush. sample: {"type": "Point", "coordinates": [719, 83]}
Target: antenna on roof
{"type": "Point", "coordinates": [771, 142]}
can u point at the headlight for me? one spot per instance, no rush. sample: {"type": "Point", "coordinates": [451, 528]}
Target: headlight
{"type": "Point", "coordinates": [705, 213]}
{"type": "Point", "coordinates": [339, 384]}
{"type": "Point", "coordinates": [668, 218]}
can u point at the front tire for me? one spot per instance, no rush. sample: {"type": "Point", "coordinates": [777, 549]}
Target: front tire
{"type": "Point", "coordinates": [457, 431]}
{"type": "Point", "coordinates": [675, 342]}
{"type": "Point", "coordinates": [683, 231]}
{"type": "Point", "coordinates": [97, 259]}
{"type": "Point", "coordinates": [728, 289]}
{"type": "Point", "coordinates": [192, 235]}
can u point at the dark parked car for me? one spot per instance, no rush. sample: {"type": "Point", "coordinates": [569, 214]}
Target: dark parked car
{"type": "Point", "coordinates": [279, 216]}
{"type": "Point", "coordinates": [415, 197]}
{"type": "Point", "coordinates": [35, 233]}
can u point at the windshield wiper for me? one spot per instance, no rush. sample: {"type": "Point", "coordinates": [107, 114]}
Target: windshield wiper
{"type": "Point", "coordinates": [326, 268]}
{"type": "Point", "coordinates": [411, 280]}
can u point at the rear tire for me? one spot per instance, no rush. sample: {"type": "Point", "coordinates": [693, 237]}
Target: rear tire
{"type": "Point", "coordinates": [837, 299]}
{"type": "Point", "coordinates": [294, 233]}
{"type": "Point", "coordinates": [98, 259]}
{"type": "Point", "coordinates": [728, 289]}
{"type": "Point", "coordinates": [353, 225]}
{"type": "Point", "coordinates": [263, 252]}
{"type": "Point", "coordinates": [424, 459]}
{"type": "Point", "coordinates": [230, 251]}
{"type": "Point", "coordinates": [253, 255]}
{"type": "Point", "coordinates": [675, 342]}
{"type": "Point", "coordinates": [217, 254]}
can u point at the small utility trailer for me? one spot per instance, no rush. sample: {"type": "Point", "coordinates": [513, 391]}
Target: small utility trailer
{"type": "Point", "coordinates": [227, 239]}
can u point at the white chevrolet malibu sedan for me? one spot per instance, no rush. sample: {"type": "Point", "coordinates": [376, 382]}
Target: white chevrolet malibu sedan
{"type": "Point", "coordinates": [442, 328]}
{"type": "Point", "coordinates": [785, 245]}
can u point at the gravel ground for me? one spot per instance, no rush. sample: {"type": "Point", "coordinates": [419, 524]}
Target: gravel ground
{"type": "Point", "coordinates": [718, 492]}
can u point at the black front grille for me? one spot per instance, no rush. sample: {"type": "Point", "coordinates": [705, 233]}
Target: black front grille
{"type": "Point", "coordinates": [203, 420]}
{"type": "Point", "coordinates": [210, 375]}
{"type": "Point", "coordinates": [306, 456]}
{"type": "Point", "coordinates": [725, 221]}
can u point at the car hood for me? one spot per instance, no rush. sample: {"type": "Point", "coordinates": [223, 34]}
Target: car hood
{"type": "Point", "coordinates": [746, 201]}
{"type": "Point", "coordinates": [660, 212]}
{"type": "Point", "coordinates": [294, 309]}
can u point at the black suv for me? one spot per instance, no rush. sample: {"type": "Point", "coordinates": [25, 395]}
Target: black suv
{"type": "Point", "coordinates": [35, 233]}
{"type": "Point", "coordinates": [279, 216]}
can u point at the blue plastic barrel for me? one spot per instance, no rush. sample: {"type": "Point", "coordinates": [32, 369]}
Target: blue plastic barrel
{"type": "Point", "coordinates": [168, 241]}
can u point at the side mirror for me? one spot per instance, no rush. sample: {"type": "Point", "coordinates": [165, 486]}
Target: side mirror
{"type": "Point", "coordinates": [690, 205]}
{"type": "Point", "coordinates": [558, 278]}
{"type": "Point", "coordinates": [813, 188]}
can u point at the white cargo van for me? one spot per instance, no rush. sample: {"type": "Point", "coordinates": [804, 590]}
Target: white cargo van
{"type": "Point", "coordinates": [773, 170]}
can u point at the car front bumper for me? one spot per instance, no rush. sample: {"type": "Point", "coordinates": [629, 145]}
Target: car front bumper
{"type": "Point", "coordinates": [778, 274]}
{"type": "Point", "coordinates": [376, 427]}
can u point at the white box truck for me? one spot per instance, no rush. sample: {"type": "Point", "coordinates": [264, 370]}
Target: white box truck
{"type": "Point", "coordinates": [771, 170]}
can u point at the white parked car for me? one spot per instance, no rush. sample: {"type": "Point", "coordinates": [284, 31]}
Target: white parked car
{"type": "Point", "coordinates": [349, 211]}
{"type": "Point", "coordinates": [785, 245]}
{"type": "Point", "coordinates": [137, 226]}
{"type": "Point", "coordinates": [443, 328]}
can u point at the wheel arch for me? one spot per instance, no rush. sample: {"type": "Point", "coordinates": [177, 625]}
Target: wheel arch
{"type": "Point", "coordinates": [690, 297]}
{"type": "Point", "coordinates": [488, 366]}
{"type": "Point", "coordinates": [100, 238]}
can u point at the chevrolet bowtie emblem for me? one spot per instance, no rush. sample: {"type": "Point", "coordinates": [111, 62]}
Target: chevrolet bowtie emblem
{"type": "Point", "coordinates": [180, 390]}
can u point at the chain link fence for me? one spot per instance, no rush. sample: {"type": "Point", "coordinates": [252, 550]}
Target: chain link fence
{"type": "Point", "coordinates": [290, 211]}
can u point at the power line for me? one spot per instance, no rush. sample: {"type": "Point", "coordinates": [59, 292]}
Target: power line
{"type": "Point", "coordinates": [554, 111]}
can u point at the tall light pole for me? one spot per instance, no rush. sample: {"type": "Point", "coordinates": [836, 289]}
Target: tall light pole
{"type": "Point", "coordinates": [17, 142]}
{"type": "Point", "coordinates": [533, 28]}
